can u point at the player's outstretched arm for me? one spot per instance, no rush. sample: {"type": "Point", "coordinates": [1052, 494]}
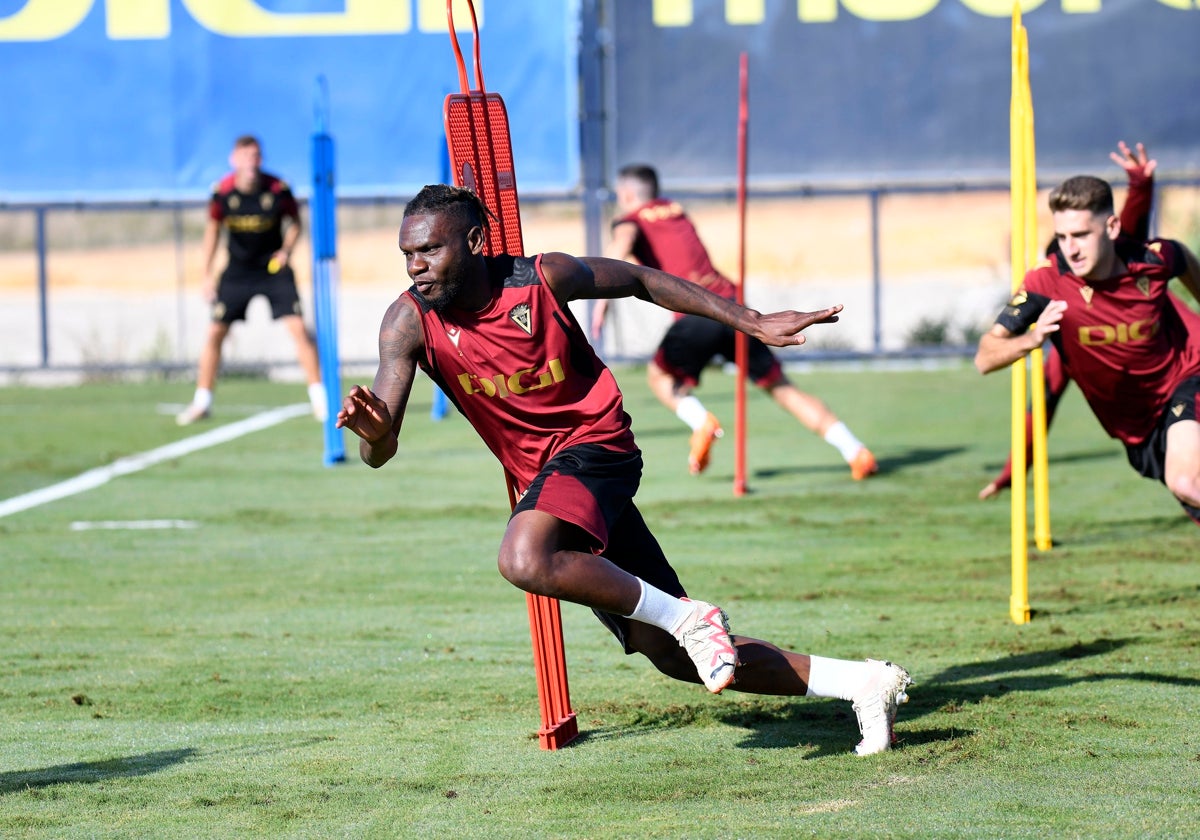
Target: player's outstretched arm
{"type": "Point", "coordinates": [376, 414]}
{"type": "Point", "coordinates": [599, 277]}
{"type": "Point", "coordinates": [1139, 166]}
{"type": "Point", "coordinates": [999, 347]}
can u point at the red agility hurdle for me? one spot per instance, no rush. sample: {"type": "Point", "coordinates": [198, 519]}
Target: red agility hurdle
{"type": "Point", "coordinates": [481, 159]}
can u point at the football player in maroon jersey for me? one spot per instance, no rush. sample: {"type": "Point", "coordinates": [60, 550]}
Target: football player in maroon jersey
{"type": "Point", "coordinates": [1102, 300]}
{"type": "Point", "coordinates": [497, 336]}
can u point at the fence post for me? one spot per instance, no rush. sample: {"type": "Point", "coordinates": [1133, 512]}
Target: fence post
{"type": "Point", "coordinates": [180, 288]}
{"type": "Point", "coordinates": [43, 307]}
{"type": "Point", "coordinates": [876, 291]}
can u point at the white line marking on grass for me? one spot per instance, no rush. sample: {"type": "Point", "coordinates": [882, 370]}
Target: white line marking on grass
{"type": "Point", "coordinates": [135, 463]}
{"type": "Point", "coordinates": [132, 524]}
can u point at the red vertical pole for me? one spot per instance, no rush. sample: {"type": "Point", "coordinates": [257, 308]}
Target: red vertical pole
{"type": "Point", "coordinates": [480, 151]}
{"type": "Point", "coordinates": [559, 724]}
{"type": "Point", "coordinates": [741, 345]}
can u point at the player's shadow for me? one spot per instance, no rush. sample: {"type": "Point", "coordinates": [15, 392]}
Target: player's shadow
{"type": "Point", "coordinates": [1095, 532]}
{"type": "Point", "coordinates": [893, 462]}
{"type": "Point", "coordinates": [820, 728]}
{"type": "Point", "coordinates": [823, 727]}
{"type": "Point", "coordinates": [90, 772]}
{"type": "Point", "coordinates": [1066, 458]}
{"type": "Point", "coordinates": [1131, 600]}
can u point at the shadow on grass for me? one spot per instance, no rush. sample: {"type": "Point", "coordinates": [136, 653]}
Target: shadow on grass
{"type": "Point", "coordinates": [90, 772]}
{"type": "Point", "coordinates": [892, 463]}
{"type": "Point", "coordinates": [1094, 532]}
{"type": "Point", "coordinates": [818, 727]}
{"type": "Point", "coordinates": [827, 727]}
{"type": "Point", "coordinates": [1068, 458]}
{"type": "Point", "coordinates": [1158, 598]}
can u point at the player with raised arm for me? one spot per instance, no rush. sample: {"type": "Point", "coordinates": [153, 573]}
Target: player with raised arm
{"type": "Point", "coordinates": [496, 334]}
{"type": "Point", "coordinates": [1135, 223]}
{"type": "Point", "coordinates": [1103, 301]}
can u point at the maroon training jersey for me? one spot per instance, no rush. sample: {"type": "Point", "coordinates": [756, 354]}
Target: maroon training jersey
{"type": "Point", "coordinates": [1121, 339]}
{"type": "Point", "coordinates": [522, 371]}
{"type": "Point", "coordinates": [254, 219]}
{"type": "Point", "coordinates": [668, 241]}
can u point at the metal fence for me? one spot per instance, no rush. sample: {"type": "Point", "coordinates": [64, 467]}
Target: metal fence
{"type": "Point", "coordinates": [91, 289]}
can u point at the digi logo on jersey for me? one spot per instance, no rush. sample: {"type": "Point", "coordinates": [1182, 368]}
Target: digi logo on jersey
{"type": "Point", "coordinates": [248, 224]}
{"type": "Point", "coordinates": [660, 212]}
{"type": "Point", "coordinates": [1095, 335]}
{"type": "Point", "coordinates": [512, 384]}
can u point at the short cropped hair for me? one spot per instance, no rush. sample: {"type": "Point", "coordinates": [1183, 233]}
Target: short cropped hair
{"type": "Point", "coordinates": [1083, 192]}
{"type": "Point", "coordinates": [444, 200]}
{"type": "Point", "coordinates": [246, 140]}
{"type": "Point", "coordinates": [644, 175]}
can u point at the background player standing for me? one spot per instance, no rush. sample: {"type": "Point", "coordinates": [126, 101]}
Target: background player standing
{"type": "Point", "coordinates": [497, 335]}
{"type": "Point", "coordinates": [263, 223]}
{"type": "Point", "coordinates": [655, 232]}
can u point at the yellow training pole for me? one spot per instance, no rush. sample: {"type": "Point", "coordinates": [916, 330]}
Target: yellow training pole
{"type": "Point", "coordinates": [1037, 371]}
{"type": "Point", "coordinates": [1019, 600]}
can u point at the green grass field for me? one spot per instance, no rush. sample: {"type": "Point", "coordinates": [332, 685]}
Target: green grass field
{"type": "Point", "coordinates": [330, 652]}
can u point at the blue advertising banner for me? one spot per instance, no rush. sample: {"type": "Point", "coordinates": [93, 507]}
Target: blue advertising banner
{"type": "Point", "coordinates": [888, 90]}
{"type": "Point", "coordinates": [117, 99]}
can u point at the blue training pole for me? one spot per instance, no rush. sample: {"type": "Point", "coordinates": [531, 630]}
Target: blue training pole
{"type": "Point", "coordinates": [441, 405]}
{"type": "Point", "coordinates": [325, 274]}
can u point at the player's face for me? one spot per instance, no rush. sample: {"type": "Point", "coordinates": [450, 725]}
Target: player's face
{"type": "Point", "coordinates": [439, 255]}
{"type": "Point", "coordinates": [246, 160]}
{"type": "Point", "coordinates": [627, 200]}
{"type": "Point", "coordinates": [1086, 240]}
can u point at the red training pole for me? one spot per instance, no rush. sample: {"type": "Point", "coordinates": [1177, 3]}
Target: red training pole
{"type": "Point", "coordinates": [480, 149]}
{"type": "Point", "coordinates": [741, 343]}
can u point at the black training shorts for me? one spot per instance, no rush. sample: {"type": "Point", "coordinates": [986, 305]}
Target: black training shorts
{"type": "Point", "coordinates": [593, 487]}
{"type": "Point", "coordinates": [239, 285]}
{"type": "Point", "coordinates": [692, 342]}
{"type": "Point", "coordinates": [1149, 457]}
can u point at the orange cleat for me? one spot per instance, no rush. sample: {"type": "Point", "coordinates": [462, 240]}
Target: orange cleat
{"type": "Point", "coordinates": [702, 441]}
{"type": "Point", "coordinates": [863, 465]}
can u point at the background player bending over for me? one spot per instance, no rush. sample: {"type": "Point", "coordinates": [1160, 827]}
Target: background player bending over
{"type": "Point", "coordinates": [655, 232]}
{"type": "Point", "coordinates": [1135, 223]}
{"type": "Point", "coordinates": [1103, 301]}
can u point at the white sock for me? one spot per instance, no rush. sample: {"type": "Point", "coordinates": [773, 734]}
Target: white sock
{"type": "Point", "coordinates": [316, 393]}
{"type": "Point", "coordinates": [203, 399]}
{"type": "Point", "coordinates": [316, 398]}
{"type": "Point", "coordinates": [843, 440]}
{"type": "Point", "coordinates": [836, 677]}
{"type": "Point", "coordinates": [691, 411]}
{"type": "Point", "coordinates": [660, 609]}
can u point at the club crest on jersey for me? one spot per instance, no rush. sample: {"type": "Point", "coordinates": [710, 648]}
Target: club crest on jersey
{"type": "Point", "coordinates": [521, 317]}
{"type": "Point", "coordinates": [1087, 292]}
{"type": "Point", "coordinates": [234, 202]}
{"type": "Point", "coordinates": [266, 201]}
{"type": "Point", "coordinates": [1177, 409]}
{"type": "Point", "coordinates": [1143, 284]}
{"type": "Point", "coordinates": [453, 333]}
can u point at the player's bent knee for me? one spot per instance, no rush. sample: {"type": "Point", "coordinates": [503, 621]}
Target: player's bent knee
{"type": "Point", "coordinates": [524, 568]}
{"type": "Point", "coordinates": [1186, 488]}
